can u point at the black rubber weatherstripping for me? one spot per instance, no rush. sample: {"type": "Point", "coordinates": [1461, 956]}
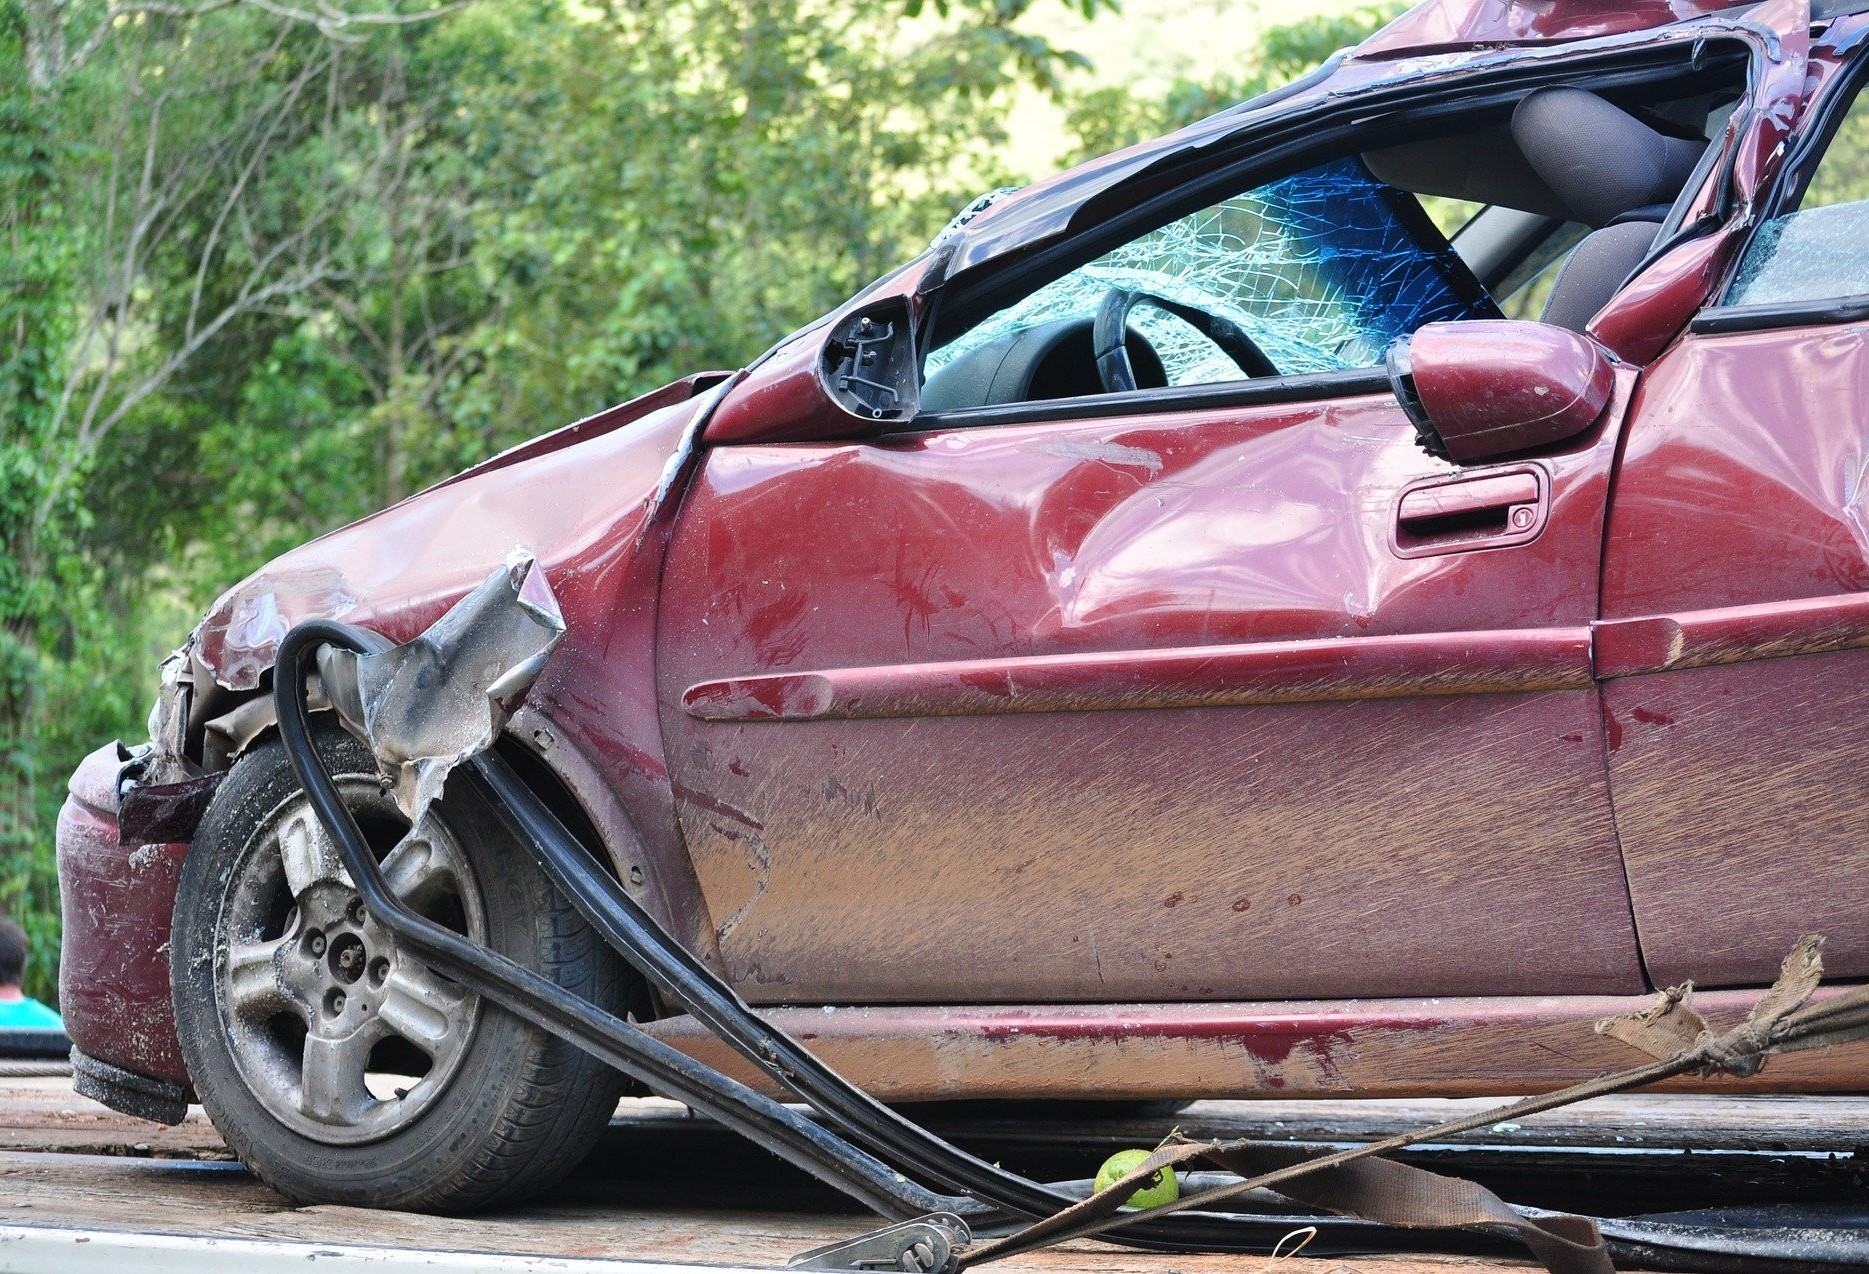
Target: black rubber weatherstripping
{"type": "Point", "coordinates": [990, 1194]}
{"type": "Point", "coordinates": [863, 1148]}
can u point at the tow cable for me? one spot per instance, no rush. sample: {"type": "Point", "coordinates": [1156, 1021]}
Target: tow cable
{"type": "Point", "coordinates": [951, 1209]}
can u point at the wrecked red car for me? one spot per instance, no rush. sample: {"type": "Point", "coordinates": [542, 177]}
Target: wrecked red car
{"type": "Point", "coordinates": [1207, 627]}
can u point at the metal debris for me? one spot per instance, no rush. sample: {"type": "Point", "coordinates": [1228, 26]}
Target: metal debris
{"type": "Point", "coordinates": [428, 705]}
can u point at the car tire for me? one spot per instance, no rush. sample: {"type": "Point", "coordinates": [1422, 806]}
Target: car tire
{"type": "Point", "coordinates": [341, 1071]}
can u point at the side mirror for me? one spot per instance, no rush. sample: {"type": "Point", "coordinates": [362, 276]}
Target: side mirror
{"type": "Point", "coordinates": [1483, 389]}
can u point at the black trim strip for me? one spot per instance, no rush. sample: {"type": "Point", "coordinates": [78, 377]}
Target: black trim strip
{"type": "Point", "coordinates": [1759, 318]}
{"type": "Point", "coordinates": [1180, 183]}
{"type": "Point", "coordinates": [1313, 387]}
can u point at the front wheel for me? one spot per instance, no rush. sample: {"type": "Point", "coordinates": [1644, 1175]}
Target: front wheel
{"type": "Point", "coordinates": [340, 1068]}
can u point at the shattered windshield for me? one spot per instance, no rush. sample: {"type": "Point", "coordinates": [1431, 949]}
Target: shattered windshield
{"type": "Point", "coordinates": [1323, 270]}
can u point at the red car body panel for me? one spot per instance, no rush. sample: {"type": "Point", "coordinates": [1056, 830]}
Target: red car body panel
{"type": "Point", "coordinates": [1178, 721]}
{"type": "Point", "coordinates": [1490, 388]}
{"type": "Point", "coordinates": [1166, 847]}
{"type": "Point", "coordinates": [592, 515]}
{"type": "Point", "coordinates": [1444, 1047]}
{"type": "Point", "coordinates": [1740, 548]}
{"type": "Point", "coordinates": [116, 901]}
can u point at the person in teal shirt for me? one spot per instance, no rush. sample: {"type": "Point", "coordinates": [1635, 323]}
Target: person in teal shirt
{"type": "Point", "coordinates": [17, 1009]}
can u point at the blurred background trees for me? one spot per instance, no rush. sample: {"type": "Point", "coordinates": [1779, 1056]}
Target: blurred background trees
{"type": "Point", "coordinates": [267, 266]}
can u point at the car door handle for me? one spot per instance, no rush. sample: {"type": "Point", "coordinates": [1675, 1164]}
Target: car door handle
{"type": "Point", "coordinates": [1491, 511]}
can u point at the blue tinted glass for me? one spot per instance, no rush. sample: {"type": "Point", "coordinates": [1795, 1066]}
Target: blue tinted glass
{"type": "Point", "coordinates": [1323, 269]}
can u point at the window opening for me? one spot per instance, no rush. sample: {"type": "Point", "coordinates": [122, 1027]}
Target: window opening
{"type": "Point", "coordinates": [1323, 269]}
{"type": "Point", "coordinates": [1813, 252]}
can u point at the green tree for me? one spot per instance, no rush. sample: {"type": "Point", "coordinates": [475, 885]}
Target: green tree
{"type": "Point", "coordinates": [268, 268]}
{"type": "Point", "coordinates": [36, 257]}
{"type": "Point", "coordinates": [1105, 118]}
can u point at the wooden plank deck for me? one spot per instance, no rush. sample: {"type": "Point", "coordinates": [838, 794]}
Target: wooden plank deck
{"type": "Point", "coordinates": [667, 1187]}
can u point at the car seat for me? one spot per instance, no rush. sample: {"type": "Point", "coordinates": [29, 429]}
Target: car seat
{"type": "Point", "coordinates": [1613, 173]}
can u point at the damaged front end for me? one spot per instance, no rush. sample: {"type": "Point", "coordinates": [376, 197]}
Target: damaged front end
{"type": "Point", "coordinates": [417, 706]}
{"type": "Point", "coordinates": [123, 832]}
{"type": "Point", "coordinates": [578, 501]}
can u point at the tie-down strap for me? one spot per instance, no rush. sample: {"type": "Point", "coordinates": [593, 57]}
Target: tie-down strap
{"type": "Point", "coordinates": [1357, 1183]}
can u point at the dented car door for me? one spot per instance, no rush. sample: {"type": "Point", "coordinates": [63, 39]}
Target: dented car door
{"type": "Point", "coordinates": [1225, 689]}
{"type": "Point", "coordinates": [1149, 710]}
{"type": "Point", "coordinates": [1734, 585]}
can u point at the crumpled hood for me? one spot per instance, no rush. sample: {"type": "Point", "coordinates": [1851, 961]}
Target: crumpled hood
{"type": "Point", "coordinates": [575, 499]}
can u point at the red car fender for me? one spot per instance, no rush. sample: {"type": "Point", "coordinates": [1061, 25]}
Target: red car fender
{"type": "Point", "coordinates": [587, 508]}
{"type": "Point", "coordinates": [588, 512]}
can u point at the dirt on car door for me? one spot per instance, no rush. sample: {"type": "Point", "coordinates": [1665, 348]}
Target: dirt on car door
{"type": "Point", "coordinates": [1734, 602]}
{"type": "Point", "coordinates": [1144, 709]}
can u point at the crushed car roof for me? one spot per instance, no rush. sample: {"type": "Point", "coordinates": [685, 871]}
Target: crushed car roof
{"type": "Point", "coordinates": [1447, 27]}
{"type": "Point", "coordinates": [1445, 24]}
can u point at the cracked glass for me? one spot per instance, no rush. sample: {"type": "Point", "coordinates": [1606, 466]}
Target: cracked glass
{"type": "Point", "coordinates": [1323, 269]}
{"type": "Point", "coordinates": [1814, 252]}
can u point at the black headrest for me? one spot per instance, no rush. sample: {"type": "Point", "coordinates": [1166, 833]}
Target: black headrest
{"type": "Point", "coordinates": [1599, 159]}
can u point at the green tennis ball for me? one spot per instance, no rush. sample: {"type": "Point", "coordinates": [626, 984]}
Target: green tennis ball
{"type": "Point", "coordinates": [1161, 1188]}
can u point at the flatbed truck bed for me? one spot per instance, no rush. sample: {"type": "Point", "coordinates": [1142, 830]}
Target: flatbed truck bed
{"type": "Point", "coordinates": [84, 1188]}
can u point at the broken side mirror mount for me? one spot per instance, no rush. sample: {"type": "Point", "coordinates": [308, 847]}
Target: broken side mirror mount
{"type": "Point", "coordinates": [1483, 389]}
{"type": "Point", "coordinates": [869, 366]}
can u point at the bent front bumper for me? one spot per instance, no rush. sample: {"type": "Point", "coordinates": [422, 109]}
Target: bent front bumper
{"type": "Point", "coordinates": [114, 968]}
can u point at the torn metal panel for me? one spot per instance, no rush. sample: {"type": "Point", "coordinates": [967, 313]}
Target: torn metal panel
{"type": "Point", "coordinates": [161, 793]}
{"type": "Point", "coordinates": [169, 719]}
{"type": "Point", "coordinates": [166, 813]}
{"type": "Point", "coordinates": [429, 704]}
{"type": "Point", "coordinates": [241, 635]}
{"type": "Point", "coordinates": [582, 510]}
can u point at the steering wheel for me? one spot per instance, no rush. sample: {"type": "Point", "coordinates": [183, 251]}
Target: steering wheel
{"type": "Point", "coordinates": [1110, 333]}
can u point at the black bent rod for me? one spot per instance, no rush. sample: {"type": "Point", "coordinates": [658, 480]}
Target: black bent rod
{"type": "Point", "coordinates": [885, 1132]}
{"type": "Point", "coordinates": [552, 1008]}
{"type": "Point", "coordinates": [991, 1194]}
{"type": "Point", "coordinates": [684, 979]}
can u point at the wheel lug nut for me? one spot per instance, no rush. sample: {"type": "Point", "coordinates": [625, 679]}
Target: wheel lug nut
{"type": "Point", "coordinates": [334, 1002]}
{"type": "Point", "coordinates": [357, 913]}
{"type": "Point", "coordinates": [315, 943]}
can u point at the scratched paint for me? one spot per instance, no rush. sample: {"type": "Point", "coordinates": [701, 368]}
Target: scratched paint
{"type": "Point", "coordinates": [1738, 535]}
{"type": "Point", "coordinates": [1444, 1047]}
{"type": "Point", "coordinates": [1025, 856]}
{"type": "Point", "coordinates": [115, 901]}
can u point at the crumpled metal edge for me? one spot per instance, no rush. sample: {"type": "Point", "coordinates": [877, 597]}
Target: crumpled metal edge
{"type": "Point", "coordinates": [426, 706]}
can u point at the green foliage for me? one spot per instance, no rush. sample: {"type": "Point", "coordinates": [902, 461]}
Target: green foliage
{"type": "Point", "coordinates": [258, 278]}
{"type": "Point", "coordinates": [36, 614]}
{"type": "Point", "coordinates": [1109, 117]}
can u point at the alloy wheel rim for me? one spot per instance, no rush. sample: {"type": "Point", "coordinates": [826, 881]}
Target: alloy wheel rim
{"type": "Point", "coordinates": [339, 1034]}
